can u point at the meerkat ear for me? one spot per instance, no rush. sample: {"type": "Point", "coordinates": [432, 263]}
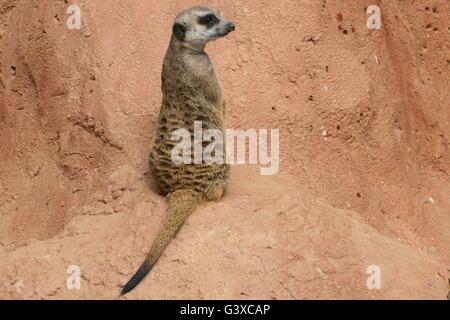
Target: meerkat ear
{"type": "Point", "coordinates": [179, 31]}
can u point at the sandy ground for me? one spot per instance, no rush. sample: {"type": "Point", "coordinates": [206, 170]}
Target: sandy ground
{"type": "Point", "coordinates": [364, 180]}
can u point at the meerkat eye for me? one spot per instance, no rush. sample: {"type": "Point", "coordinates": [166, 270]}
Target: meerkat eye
{"type": "Point", "coordinates": [208, 20]}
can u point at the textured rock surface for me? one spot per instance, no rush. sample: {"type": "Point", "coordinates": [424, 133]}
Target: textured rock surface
{"type": "Point", "coordinates": [364, 179]}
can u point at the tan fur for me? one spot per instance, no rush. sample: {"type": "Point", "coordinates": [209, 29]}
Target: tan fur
{"type": "Point", "coordinates": [191, 93]}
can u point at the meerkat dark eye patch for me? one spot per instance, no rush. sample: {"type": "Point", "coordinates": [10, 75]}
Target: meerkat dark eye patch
{"type": "Point", "coordinates": [209, 20]}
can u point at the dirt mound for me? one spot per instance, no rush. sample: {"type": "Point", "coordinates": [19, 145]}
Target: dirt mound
{"type": "Point", "coordinates": [364, 161]}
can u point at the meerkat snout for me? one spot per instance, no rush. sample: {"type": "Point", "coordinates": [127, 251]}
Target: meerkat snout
{"type": "Point", "coordinates": [231, 27]}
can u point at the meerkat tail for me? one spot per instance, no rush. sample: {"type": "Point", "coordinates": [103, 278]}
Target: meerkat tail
{"type": "Point", "coordinates": [181, 203]}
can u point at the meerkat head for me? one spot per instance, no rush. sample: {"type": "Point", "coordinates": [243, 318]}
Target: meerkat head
{"type": "Point", "coordinates": [195, 27]}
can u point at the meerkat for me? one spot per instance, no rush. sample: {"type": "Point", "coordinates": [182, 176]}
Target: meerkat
{"type": "Point", "coordinates": [191, 92]}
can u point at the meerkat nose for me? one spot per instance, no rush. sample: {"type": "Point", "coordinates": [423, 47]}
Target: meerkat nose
{"type": "Point", "coordinates": [231, 27]}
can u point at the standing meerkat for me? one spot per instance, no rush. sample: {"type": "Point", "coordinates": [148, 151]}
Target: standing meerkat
{"type": "Point", "coordinates": [191, 92]}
